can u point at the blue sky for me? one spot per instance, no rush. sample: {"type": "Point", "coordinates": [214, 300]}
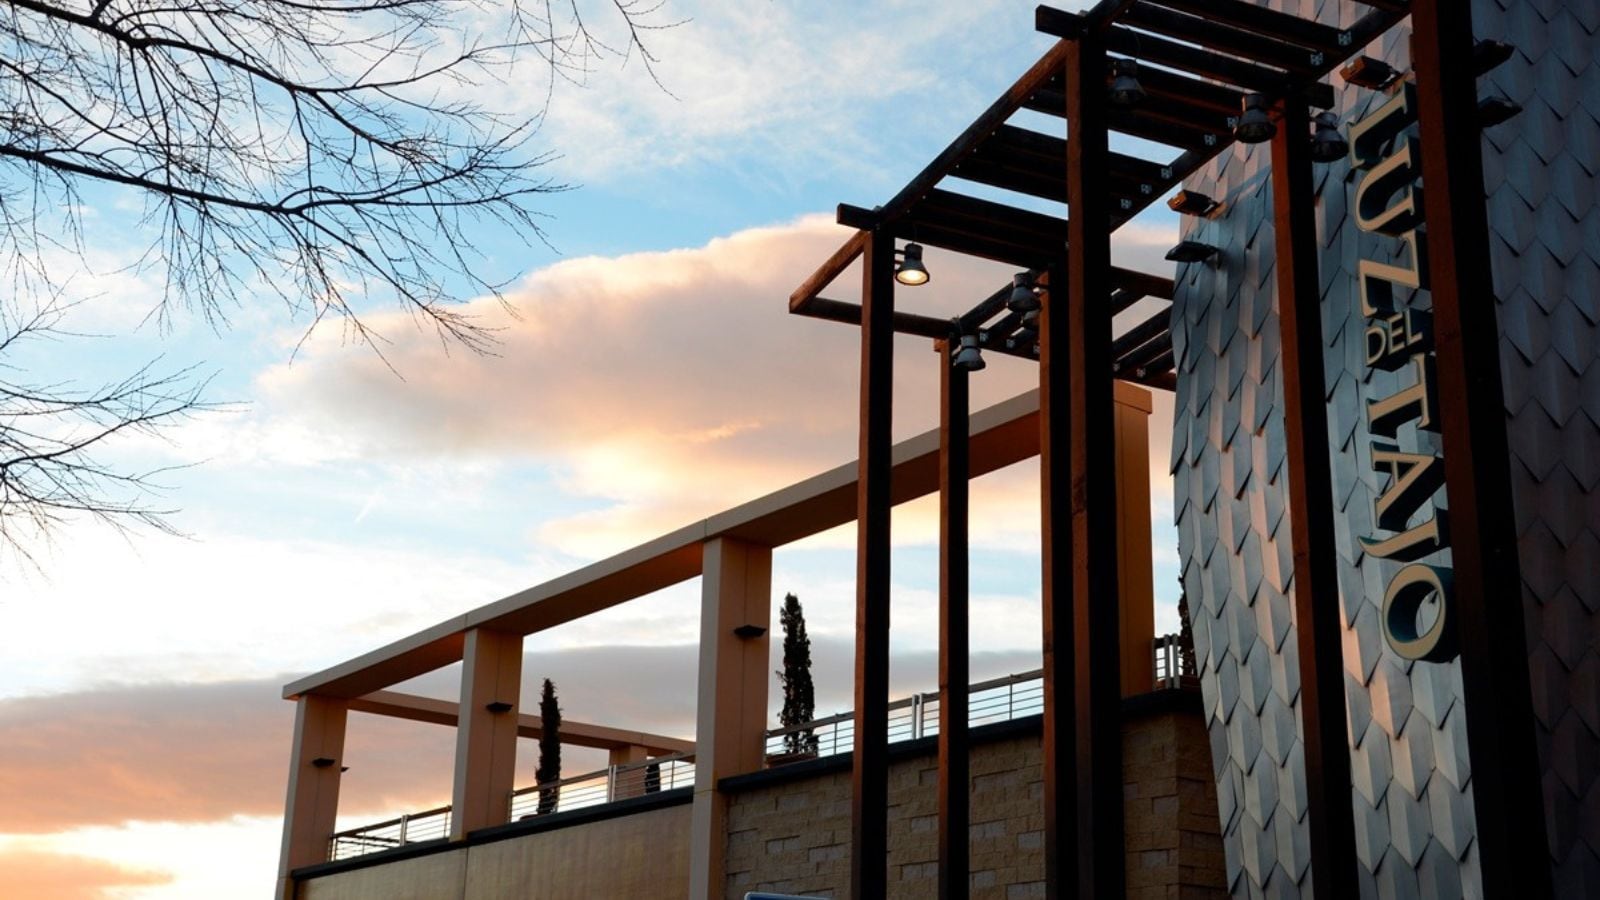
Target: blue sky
{"type": "Point", "coordinates": [652, 377]}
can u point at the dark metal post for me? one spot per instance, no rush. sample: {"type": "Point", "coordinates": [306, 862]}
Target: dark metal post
{"type": "Point", "coordinates": [955, 797]}
{"type": "Point", "coordinates": [1059, 742]}
{"type": "Point", "coordinates": [1318, 631]}
{"type": "Point", "coordinates": [1096, 618]}
{"type": "Point", "coordinates": [869, 811]}
{"type": "Point", "coordinates": [1514, 855]}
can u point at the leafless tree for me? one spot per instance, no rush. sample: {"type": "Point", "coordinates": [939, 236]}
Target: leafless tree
{"type": "Point", "coordinates": [333, 153]}
{"type": "Point", "coordinates": [50, 432]}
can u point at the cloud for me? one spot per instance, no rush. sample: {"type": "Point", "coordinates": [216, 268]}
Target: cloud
{"type": "Point", "coordinates": [664, 386]}
{"type": "Point", "coordinates": [797, 88]}
{"type": "Point", "coordinates": [190, 753]}
{"type": "Point", "coordinates": [45, 875]}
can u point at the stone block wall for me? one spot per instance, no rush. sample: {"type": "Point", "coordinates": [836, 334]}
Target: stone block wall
{"type": "Point", "coordinates": [790, 831]}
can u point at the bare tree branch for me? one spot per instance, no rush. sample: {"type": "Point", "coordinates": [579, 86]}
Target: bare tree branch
{"type": "Point", "coordinates": [335, 154]}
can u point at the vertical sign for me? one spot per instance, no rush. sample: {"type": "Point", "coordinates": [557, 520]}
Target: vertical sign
{"type": "Point", "coordinates": [1418, 596]}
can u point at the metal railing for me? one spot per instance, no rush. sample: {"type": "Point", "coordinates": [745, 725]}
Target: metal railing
{"type": "Point", "coordinates": [1171, 668]}
{"type": "Point", "coordinates": [591, 789]}
{"type": "Point", "coordinates": [606, 785]}
{"type": "Point", "coordinates": [411, 828]}
{"type": "Point", "coordinates": [997, 700]}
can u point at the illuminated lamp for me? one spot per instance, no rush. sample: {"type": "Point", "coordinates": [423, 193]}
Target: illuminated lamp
{"type": "Point", "coordinates": [910, 271]}
{"type": "Point", "coordinates": [1192, 203]}
{"type": "Point", "coordinates": [1364, 71]}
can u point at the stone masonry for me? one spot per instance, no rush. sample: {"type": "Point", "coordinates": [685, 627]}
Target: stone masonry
{"type": "Point", "coordinates": [789, 830]}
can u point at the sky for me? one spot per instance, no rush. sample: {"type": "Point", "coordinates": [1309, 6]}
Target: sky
{"type": "Point", "coordinates": [647, 374]}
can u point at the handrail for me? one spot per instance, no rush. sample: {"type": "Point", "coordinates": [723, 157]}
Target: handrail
{"type": "Point", "coordinates": [997, 699]}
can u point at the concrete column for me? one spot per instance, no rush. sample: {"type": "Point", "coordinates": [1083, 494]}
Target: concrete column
{"type": "Point", "coordinates": [313, 801]}
{"type": "Point", "coordinates": [486, 734]}
{"type": "Point", "coordinates": [730, 736]}
{"type": "Point", "coordinates": [1135, 566]}
{"type": "Point", "coordinates": [630, 781]}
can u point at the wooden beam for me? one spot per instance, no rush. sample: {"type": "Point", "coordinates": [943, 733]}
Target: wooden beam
{"type": "Point", "coordinates": [1489, 598]}
{"type": "Point", "coordinates": [904, 322]}
{"type": "Point", "coordinates": [1263, 21]}
{"type": "Point", "coordinates": [1318, 630]}
{"type": "Point", "coordinates": [414, 708]}
{"type": "Point", "coordinates": [1047, 66]}
{"type": "Point", "coordinates": [830, 269]}
{"type": "Point", "coordinates": [1096, 618]}
{"type": "Point", "coordinates": [955, 798]}
{"type": "Point", "coordinates": [869, 811]}
{"type": "Point", "coordinates": [1218, 36]}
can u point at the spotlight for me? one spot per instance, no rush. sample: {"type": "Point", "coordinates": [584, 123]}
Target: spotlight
{"type": "Point", "coordinates": [910, 271]}
{"type": "Point", "coordinates": [1327, 144]}
{"type": "Point", "coordinates": [1494, 110]}
{"type": "Point", "coordinates": [1255, 126]}
{"type": "Point", "coordinates": [1022, 297]}
{"type": "Point", "coordinates": [1364, 71]}
{"type": "Point", "coordinates": [1125, 87]}
{"type": "Point", "coordinates": [1192, 203]}
{"type": "Point", "coordinates": [1487, 54]}
{"type": "Point", "coordinates": [1191, 251]}
{"type": "Point", "coordinates": [1030, 320]}
{"type": "Point", "coordinates": [969, 358]}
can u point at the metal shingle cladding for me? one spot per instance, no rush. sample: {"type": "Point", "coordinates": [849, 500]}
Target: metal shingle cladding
{"type": "Point", "coordinates": [1411, 778]}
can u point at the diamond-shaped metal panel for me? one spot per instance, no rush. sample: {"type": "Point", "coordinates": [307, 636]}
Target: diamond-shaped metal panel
{"type": "Point", "coordinates": [1411, 776]}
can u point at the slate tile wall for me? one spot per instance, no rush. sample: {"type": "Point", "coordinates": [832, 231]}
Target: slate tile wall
{"type": "Point", "coordinates": [1412, 789]}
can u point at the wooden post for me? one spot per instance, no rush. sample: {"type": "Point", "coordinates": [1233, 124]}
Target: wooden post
{"type": "Point", "coordinates": [313, 802]}
{"type": "Point", "coordinates": [955, 798]}
{"type": "Point", "coordinates": [1513, 852]}
{"type": "Point", "coordinates": [730, 735]}
{"type": "Point", "coordinates": [1096, 618]}
{"type": "Point", "coordinates": [486, 733]}
{"type": "Point", "coordinates": [1318, 630]}
{"type": "Point", "coordinates": [869, 811]}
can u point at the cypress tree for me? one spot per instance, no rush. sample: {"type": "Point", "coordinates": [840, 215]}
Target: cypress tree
{"type": "Point", "coordinates": [1186, 665]}
{"type": "Point", "coordinates": [799, 695]}
{"type": "Point", "coordinates": [549, 771]}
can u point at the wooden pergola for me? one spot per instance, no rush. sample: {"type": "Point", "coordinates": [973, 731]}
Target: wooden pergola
{"type": "Point", "coordinates": [1196, 62]}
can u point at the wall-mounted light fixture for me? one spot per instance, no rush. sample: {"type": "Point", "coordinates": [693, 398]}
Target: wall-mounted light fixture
{"type": "Point", "coordinates": [1191, 251]}
{"type": "Point", "coordinates": [1327, 144]}
{"type": "Point", "coordinates": [910, 271]}
{"type": "Point", "coordinates": [1366, 72]}
{"type": "Point", "coordinates": [749, 632]}
{"type": "Point", "coordinates": [1496, 109]}
{"type": "Point", "coordinates": [498, 706]}
{"type": "Point", "coordinates": [1192, 203]}
{"type": "Point", "coordinates": [1255, 126]}
{"type": "Point", "coordinates": [1125, 87]}
{"type": "Point", "coordinates": [1488, 54]}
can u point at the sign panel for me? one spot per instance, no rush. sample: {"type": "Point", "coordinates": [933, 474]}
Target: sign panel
{"type": "Point", "coordinates": [1388, 201]}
